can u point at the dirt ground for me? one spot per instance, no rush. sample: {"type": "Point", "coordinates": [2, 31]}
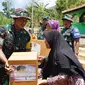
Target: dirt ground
{"type": "Point", "coordinates": [82, 42]}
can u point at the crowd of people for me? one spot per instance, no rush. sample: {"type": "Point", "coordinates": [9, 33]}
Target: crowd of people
{"type": "Point", "coordinates": [61, 66]}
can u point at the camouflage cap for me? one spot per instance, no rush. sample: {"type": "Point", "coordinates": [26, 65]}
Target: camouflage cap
{"type": "Point", "coordinates": [68, 17]}
{"type": "Point", "coordinates": [45, 17]}
{"type": "Point", "coordinates": [19, 13]}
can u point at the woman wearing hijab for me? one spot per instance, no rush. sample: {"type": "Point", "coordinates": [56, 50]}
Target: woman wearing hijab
{"type": "Point", "coordinates": [62, 67]}
{"type": "Point", "coordinates": [51, 25]}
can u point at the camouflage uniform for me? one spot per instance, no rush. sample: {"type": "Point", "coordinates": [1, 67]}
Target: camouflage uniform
{"type": "Point", "coordinates": [12, 40]}
{"type": "Point", "coordinates": [16, 40]}
{"type": "Point", "coordinates": [70, 34]}
{"type": "Point", "coordinates": [42, 28]}
{"type": "Point", "coordinates": [40, 34]}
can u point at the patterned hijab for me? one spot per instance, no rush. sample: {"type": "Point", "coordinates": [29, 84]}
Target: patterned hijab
{"type": "Point", "coordinates": [54, 24]}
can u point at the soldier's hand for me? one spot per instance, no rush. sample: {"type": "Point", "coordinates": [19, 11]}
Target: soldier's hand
{"type": "Point", "coordinates": [8, 68]}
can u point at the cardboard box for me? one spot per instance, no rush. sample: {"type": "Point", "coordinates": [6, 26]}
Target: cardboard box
{"type": "Point", "coordinates": [35, 47]}
{"type": "Point", "coordinates": [25, 65]}
{"type": "Point", "coordinates": [43, 50]}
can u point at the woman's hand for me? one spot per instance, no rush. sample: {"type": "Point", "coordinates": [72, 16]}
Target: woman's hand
{"type": "Point", "coordinates": [41, 59]}
{"type": "Point", "coordinates": [42, 82]}
{"type": "Point", "coordinates": [76, 54]}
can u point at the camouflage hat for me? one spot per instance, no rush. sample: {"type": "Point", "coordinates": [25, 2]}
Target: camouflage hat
{"type": "Point", "coordinates": [45, 18]}
{"type": "Point", "coordinates": [68, 17]}
{"type": "Point", "coordinates": [20, 12]}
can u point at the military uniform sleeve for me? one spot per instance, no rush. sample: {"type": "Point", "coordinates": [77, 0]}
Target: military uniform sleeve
{"type": "Point", "coordinates": [3, 34]}
{"type": "Point", "coordinates": [75, 33]}
{"type": "Point", "coordinates": [1, 42]}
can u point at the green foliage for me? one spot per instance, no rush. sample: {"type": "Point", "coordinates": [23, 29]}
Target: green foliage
{"type": "Point", "coordinates": [40, 10]}
{"type": "Point", "coordinates": [6, 9]}
{"type": "Point", "coordinates": [5, 15]}
{"type": "Point", "coordinates": [62, 5]}
{"type": "Point", "coordinates": [4, 20]}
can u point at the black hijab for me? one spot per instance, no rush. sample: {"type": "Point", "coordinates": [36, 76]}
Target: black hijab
{"type": "Point", "coordinates": [61, 58]}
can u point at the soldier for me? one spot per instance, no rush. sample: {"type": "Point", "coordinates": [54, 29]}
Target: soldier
{"type": "Point", "coordinates": [71, 33]}
{"type": "Point", "coordinates": [14, 37]}
{"type": "Point", "coordinates": [43, 25]}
